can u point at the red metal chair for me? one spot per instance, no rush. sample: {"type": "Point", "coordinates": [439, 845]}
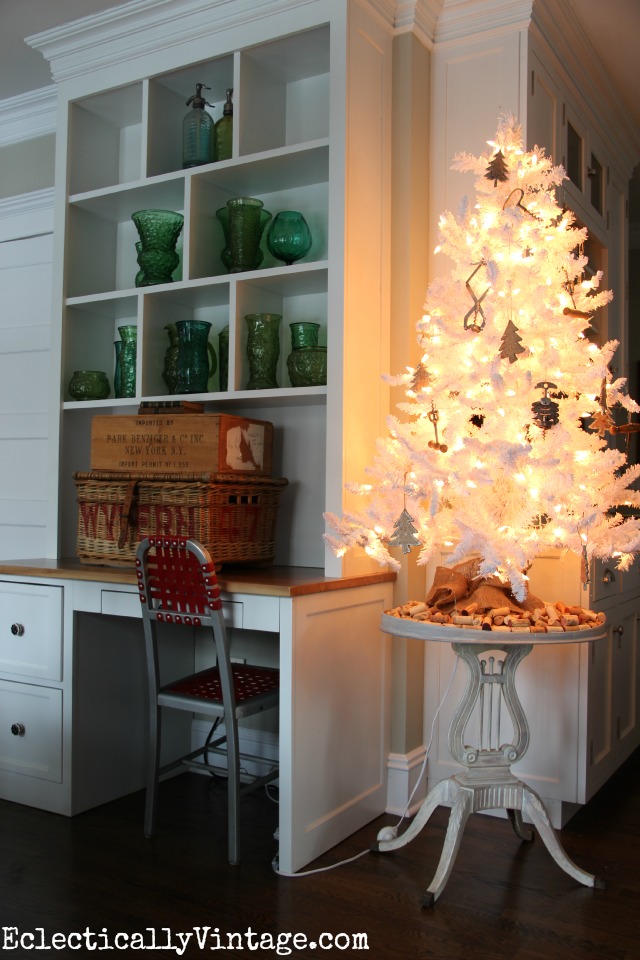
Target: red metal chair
{"type": "Point", "coordinates": [178, 586]}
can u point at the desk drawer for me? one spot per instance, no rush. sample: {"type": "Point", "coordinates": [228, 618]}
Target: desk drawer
{"type": "Point", "coordinates": [118, 603]}
{"type": "Point", "coordinates": [31, 630]}
{"type": "Point", "coordinates": [31, 730]}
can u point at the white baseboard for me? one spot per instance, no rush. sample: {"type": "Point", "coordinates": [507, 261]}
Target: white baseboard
{"type": "Point", "coordinates": [404, 771]}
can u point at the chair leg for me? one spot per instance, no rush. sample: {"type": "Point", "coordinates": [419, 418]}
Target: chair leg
{"type": "Point", "coordinates": [153, 763]}
{"type": "Point", "coordinates": [233, 790]}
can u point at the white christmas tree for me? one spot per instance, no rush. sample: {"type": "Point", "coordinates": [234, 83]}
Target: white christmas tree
{"type": "Point", "coordinates": [500, 449]}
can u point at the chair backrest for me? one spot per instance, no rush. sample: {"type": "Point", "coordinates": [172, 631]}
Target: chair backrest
{"type": "Point", "coordinates": [177, 581]}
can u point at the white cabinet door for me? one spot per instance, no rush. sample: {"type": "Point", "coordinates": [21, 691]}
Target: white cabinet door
{"type": "Point", "coordinates": [627, 678]}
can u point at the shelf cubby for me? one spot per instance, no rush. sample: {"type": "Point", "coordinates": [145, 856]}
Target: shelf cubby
{"type": "Point", "coordinates": [284, 92]}
{"type": "Point", "coordinates": [208, 303]}
{"type": "Point", "coordinates": [168, 95]}
{"type": "Point", "coordinates": [89, 335]}
{"type": "Point", "coordinates": [105, 139]}
{"type": "Point", "coordinates": [101, 236]}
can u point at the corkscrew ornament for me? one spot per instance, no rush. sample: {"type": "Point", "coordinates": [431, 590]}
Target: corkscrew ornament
{"type": "Point", "coordinates": [434, 416]}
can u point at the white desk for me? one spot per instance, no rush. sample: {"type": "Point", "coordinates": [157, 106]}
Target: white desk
{"type": "Point", "coordinates": [74, 668]}
{"type": "Point", "coordinates": [486, 781]}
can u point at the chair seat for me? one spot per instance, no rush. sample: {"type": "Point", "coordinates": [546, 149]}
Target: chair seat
{"type": "Point", "coordinates": [248, 682]}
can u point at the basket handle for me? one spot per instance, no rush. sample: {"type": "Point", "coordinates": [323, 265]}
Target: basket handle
{"type": "Point", "coordinates": [127, 511]}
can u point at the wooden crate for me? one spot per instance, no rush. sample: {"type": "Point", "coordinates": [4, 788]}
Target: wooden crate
{"type": "Point", "coordinates": [182, 443]}
{"type": "Point", "coordinates": [234, 516]}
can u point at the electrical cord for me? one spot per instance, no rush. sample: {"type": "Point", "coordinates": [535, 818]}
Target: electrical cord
{"type": "Point", "coordinates": [390, 832]}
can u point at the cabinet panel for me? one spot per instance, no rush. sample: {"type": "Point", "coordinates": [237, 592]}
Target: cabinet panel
{"type": "Point", "coordinates": [31, 630]}
{"type": "Point", "coordinates": [601, 745]}
{"type": "Point", "coordinates": [30, 731]}
{"type": "Point", "coordinates": [627, 681]}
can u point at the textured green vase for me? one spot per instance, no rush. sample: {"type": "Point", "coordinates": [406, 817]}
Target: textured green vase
{"type": "Point", "coordinates": [89, 385]}
{"type": "Point", "coordinates": [243, 221]}
{"type": "Point", "coordinates": [307, 362]}
{"type": "Point", "coordinates": [263, 350]}
{"type": "Point", "coordinates": [128, 359]}
{"type": "Point", "coordinates": [157, 256]}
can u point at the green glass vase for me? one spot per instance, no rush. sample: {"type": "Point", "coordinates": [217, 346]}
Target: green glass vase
{"type": "Point", "coordinates": [263, 350]}
{"type": "Point", "coordinates": [289, 237]}
{"type": "Point", "coordinates": [307, 362]}
{"type": "Point", "coordinates": [223, 355]}
{"type": "Point", "coordinates": [117, 371]}
{"type": "Point", "coordinates": [170, 369]}
{"type": "Point", "coordinates": [128, 356]}
{"type": "Point", "coordinates": [157, 256]}
{"type": "Point", "coordinates": [89, 385]}
{"type": "Point", "coordinates": [243, 221]}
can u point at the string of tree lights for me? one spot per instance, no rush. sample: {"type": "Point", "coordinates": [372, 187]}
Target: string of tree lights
{"type": "Point", "coordinates": [501, 447]}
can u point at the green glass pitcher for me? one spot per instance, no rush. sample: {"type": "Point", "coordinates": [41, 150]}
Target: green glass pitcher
{"type": "Point", "coordinates": [196, 361]}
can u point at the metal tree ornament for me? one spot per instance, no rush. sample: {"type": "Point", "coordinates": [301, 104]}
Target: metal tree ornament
{"type": "Point", "coordinates": [545, 411]}
{"type": "Point", "coordinates": [405, 535]}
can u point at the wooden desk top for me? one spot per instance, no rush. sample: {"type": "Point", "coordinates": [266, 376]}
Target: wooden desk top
{"type": "Point", "coordinates": [263, 581]}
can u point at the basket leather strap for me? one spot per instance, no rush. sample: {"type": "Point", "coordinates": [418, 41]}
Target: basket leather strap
{"type": "Point", "coordinates": [127, 511]}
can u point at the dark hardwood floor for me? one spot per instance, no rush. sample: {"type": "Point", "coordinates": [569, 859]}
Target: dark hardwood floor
{"type": "Point", "coordinates": [505, 899]}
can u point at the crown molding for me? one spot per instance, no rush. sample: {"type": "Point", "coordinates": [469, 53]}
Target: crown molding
{"type": "Point", "coordinates": [26, 215]}
{"type": "Point", "coordinates": [144, 26]}
{"type": "Point", "coordinates": [460, 19]}
{"type": "Point", "coordinates": [28, 115]}
{"type": "Point", "coordinates": [419, 17]}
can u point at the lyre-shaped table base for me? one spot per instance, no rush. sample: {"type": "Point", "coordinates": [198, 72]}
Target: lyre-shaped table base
{"type": "Point", "coordinates": [486, 781]}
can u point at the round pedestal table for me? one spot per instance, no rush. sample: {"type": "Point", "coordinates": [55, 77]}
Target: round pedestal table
{"type": "Point", "coordinates": [486, 781]}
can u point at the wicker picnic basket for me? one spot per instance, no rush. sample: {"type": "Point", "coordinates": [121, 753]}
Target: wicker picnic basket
{"type": "Point", "coordinates": [233, 515]}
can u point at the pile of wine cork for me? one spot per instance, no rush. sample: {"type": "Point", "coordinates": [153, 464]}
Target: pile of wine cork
{"type": "Point", "coordinates": [550, 618]}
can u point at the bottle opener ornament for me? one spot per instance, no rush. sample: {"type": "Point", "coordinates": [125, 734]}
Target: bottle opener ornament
{"type": "Point", "coordinates": [545, 410]}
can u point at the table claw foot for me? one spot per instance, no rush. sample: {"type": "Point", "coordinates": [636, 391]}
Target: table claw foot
{"type": "Point", "coordinates": [435, 798]}
{"type": "Point", "coordinates": [533, 806]}
{"type": "Point", "coordinates": [459, 815]}
{"type": "Point", "coordinates": [525, 833]}
{"type": "Point", "coordinates": [428, 899]}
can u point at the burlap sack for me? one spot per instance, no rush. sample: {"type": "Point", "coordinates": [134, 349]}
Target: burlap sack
{"type": "Point", "coordinates": [460, 585]}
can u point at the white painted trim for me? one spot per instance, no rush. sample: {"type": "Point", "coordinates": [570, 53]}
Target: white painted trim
{"type": "Point", "coordinates": [475, 18]}
{"type": "Point", "coordinates": [29, 115]}
{"type": "Point", "coordinates": [142, 27]}
{"type": "Point", "coordinates": [26, 215]}
{"type": "Point", "coordinates": [403, 771]}
{"type": "Point", "coordinates": [419, 17]}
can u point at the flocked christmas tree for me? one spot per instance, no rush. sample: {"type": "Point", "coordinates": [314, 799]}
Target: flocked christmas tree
{"type": "Point", "coordinates": [501, 448]}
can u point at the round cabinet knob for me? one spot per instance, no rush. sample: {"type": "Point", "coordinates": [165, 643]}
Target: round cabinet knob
{"type": "Point", "coordinates": [618, 630]}
{"type": "Point", "coordinates": [17, 629]}
{"type": "Point", "coordinates": [17, 729]}
{"type": "Point", "coordinates": [608, 576]}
